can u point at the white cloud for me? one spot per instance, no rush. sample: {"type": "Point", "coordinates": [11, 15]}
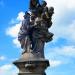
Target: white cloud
{"type": "Point", "coordinates": [56, 52]}
{"type": "Point", "coordinates": [16, 42]}
{"type": "Point", "coordinates": [13, 30]}
{"type": "Point", "coordinates": [68, 51]}
{"type": "Point", "coordinates": [8, 69]}
{"type": "Point", "coordinates": [60, 56]}
{"type": "Point", "coordinates": [55, 63]}
{"type": "Point", "coordinates": [70, 4]}
{"type": "Point", "coordinates": [20, 16]}
{"type": "Point", "coordinates": [64, 31]}
{"type": "Point", "coordinates": [2, 58]}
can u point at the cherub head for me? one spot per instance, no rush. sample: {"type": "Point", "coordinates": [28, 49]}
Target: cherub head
{"type": "Point", "coordinates": [33, 3]}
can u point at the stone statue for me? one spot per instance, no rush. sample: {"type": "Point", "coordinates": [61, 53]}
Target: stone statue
{"type": "Point", "coordinates": [34, 30]}
{"type": "Point", "coordinates": [32, 36]}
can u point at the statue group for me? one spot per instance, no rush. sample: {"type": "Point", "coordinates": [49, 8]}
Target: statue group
{"type": "Point", "coordinates": [34, 29]}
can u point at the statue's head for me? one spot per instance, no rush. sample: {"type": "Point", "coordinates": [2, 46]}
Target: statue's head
{"type": "Point", "coordinates": [33, 3]}
{"type": "Point", "coordinates": [26, 15]}
{"type": "Point", "coordinates": [51, 10]}
{"type": "Point", "coordinates": [43, 3]}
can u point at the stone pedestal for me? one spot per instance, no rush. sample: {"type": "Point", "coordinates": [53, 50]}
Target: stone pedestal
{"type": "Point", "coordinates": [30, 64]}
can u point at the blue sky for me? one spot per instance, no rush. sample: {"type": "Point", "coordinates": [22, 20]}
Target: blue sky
{"type": "Point", "coordinates": [60, 52]}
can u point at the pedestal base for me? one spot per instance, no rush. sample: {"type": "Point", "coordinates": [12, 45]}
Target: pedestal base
{"type": "Point", "coordinates": [30, 74]}
{"type": "Point", "coordinates": [31, 65]}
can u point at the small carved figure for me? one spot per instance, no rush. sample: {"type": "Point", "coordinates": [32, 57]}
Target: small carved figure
{"type": "Point", "coordinates": [44, 9]}
{"type": "Point", "coordinates": [46, 21]}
